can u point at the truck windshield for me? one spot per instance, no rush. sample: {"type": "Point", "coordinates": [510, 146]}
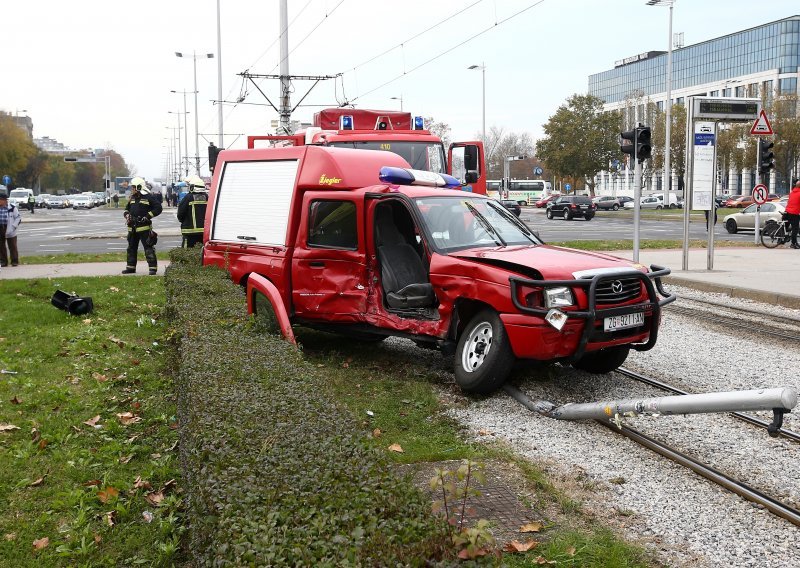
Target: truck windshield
{"type": "Point", "coordinates": [19, 193]}
{"type": "Point", "coordinates": [461, 222]}
{"type": "Point", "coordinates": [427, 156]}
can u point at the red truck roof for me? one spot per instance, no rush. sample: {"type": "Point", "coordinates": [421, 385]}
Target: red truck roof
{"type": "Point", "coordinates": [363, 119]}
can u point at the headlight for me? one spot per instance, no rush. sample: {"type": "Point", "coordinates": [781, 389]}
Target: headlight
{"type": "Point", "coordinates": [558, 297]}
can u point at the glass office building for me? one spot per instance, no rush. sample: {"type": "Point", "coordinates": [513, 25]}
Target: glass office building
{"type": "Point", "coordinates": [757, 62]}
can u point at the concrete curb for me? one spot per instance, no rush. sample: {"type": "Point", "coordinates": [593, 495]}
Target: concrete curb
{"type": "Point", "coordinates": [737, 292]}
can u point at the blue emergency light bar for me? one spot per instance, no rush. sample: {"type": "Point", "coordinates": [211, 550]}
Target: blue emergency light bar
{"type": "Point", "coordinates": [346, 122]}
{"type": "Point", "coordinates": [419, 123]}
{"type": "Point", "coordinates": [407, 176]}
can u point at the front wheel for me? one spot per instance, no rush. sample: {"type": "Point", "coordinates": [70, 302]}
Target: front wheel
{"type": "Point", "coordinates": [772, 234]}
{"type": "Point", "coordinates": [549, 213]}
{"type": "Point", "coordinates": [483, 356]}
{"type": "Point", "coordinates": [730, 226]}
{"type": "Point", "coordinates": [659, 207]}
{"type": "Point", "coordinates": [615, 207]}
{"type": "Point", "coordinates": [568, 215]}
{"type": "Point", "coordinates": [589, 217]}
{"type": "Point", "coordinates": [603, 361]}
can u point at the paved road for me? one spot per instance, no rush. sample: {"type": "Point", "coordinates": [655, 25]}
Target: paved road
{"type": "Point", "coordinates": [59, 231]}
{"type": "Point", "coordinates": [614, 225]}
{"type": "Point", "coordinates": [102, 229]}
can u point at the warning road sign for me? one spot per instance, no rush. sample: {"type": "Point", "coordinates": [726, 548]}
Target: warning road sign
{"type": "Point", "coordinates": [760, 194]}
{"type": "Point", "coordinates": [762, 127]}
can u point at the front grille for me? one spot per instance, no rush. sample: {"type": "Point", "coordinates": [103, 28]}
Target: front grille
{"type": "Point", "coordinates": [618, 291]}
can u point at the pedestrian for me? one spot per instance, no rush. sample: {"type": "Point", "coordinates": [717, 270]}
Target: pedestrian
{"type": "Point", "coordinates": [139, 213]}
{"type": "Point", "coordinates": [31, 202]}
{"type": "Point", "coordinates": [10, 218]}
{"type": "Point", "coordinates": [715, 206]}
{"type": "Point", "coordinates": [192, 212]}
{"type": "Point", "coordinates": [115, 199]}
{"type": "Point", "coordinates": [793, 211]}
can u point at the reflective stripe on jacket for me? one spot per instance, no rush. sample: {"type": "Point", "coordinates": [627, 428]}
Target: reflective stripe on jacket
{"type": "Point", "coordinates": [192, 213]}
{"type": "Point", "coordinates": [142, 209]}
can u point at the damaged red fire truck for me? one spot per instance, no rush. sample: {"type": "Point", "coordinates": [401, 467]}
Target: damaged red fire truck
{"type": "Point", "coordinates": [338, 231]}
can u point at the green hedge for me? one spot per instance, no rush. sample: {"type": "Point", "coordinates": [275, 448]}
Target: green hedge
{"type": "Point", "coordinates": [276, 473]}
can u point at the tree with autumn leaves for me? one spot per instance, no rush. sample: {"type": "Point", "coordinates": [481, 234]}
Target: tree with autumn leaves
{"type": "Point", "coordinates": [29, 166]}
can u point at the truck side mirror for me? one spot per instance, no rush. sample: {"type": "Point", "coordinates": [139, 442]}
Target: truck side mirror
{"type": "Point", "coordinates": [471, 158]}
{"type": "Point", "coordinates": [213, 152]}
{"type": "Point", "coordinates": [471, 176]}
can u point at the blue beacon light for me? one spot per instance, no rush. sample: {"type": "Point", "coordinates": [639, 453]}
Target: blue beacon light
{"type": "Point", "coordinates": [404, 176]}
{"type": "Point", "coordinates": [419, 123]}
{"type": "Point", "coordinates": [346, 122]}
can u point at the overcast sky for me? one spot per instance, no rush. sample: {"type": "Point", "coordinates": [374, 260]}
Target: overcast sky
{"type": "Point", "coordinates": [94, 73]}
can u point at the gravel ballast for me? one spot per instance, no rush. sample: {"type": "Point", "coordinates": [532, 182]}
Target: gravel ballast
{"type": "Point", "coordinates": [682, 518]}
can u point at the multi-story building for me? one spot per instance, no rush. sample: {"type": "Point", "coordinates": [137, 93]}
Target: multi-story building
{"type": "Point", "coordinates": [757, 62]}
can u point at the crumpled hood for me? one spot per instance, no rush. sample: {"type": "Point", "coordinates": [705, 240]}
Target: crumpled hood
{"type": "Point", "coordinates": [554, 263]}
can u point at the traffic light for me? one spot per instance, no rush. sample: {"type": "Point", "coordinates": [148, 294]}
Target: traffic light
{"type": "Point", "coordinates": [638, 143]}
{"type": "Point", "coordinates": [766, 159]}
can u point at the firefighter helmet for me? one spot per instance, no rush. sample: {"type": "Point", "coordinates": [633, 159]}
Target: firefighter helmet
{"type": "Point", "coordinates": [195, 181]}
{"type": "Point", "coordinates": [138, 184]}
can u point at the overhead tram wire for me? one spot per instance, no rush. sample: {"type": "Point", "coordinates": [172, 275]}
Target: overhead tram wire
{"type": "Point", "coordinates": [435, 57]}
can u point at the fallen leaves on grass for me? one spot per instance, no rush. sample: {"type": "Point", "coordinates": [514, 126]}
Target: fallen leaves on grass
{"type": "Point", "coordinates": [41, 543]}
{"type": "Point", "coordinates": [10, 536]}
{"type": "Point", "coordinates": [100, 378]}
{"type": "Point", "coordinates": [16, 400]}
{"type": "Point", "coordinates": [517, 546]}
{"type": "Point", "coordinates": [396, 448]}
{"type": "Point", "coordinates": [110, 518]}
{"type": "Point", "coordinates": [117, 341]}
{"type": "Point", "coordinates": [107, 494]}
{"type": "Point", "coordinates": [139, 483]}
{"type": "Point", "coordinates": [127, 418]}
{"type": "Point", "coordinates": [376, 433]}
{"type": "Point", "coordinates": [8, 427]}
{"type": "Point", "coordinates": [531, 527]}
{"type": "Point", "coordinates": [154, 498]}
{"type": "Point", "coordinates": [93, 422]}
{"type": "Point", "coordinates": [38, 482]}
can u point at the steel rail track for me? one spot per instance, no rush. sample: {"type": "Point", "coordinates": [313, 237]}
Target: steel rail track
{"type": "Point", "coordinates": [738, 308]}
{"type": "Point", "coordinates": [738, 487]}
{"type": "Point", "coordinates": [783, 432]}
{"type": "Point", "coordinates": [722, 319]}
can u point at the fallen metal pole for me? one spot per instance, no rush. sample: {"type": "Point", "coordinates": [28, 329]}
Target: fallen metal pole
{"type": "Point", "coordinates": [779, 400]}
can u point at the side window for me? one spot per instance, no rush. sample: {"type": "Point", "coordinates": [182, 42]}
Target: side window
{"type": "Point", "coordinates": [332, 224]}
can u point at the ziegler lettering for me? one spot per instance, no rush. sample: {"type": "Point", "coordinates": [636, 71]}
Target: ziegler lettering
{"type": "Point", "coordinates": [325, 180]}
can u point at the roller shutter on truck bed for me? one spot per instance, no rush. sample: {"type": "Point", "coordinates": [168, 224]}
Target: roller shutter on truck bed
{"type": "Point", "coordinates": [253, 201]}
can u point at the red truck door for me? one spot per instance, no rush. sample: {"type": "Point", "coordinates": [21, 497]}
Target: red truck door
{"type": "Point", "coordinates": [466, 162]}
{"type": "Point", "coordinates": [329, 272]}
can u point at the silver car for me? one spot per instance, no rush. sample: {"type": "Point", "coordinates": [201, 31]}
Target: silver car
{"type": "Point", "coordinates": [746, 218]}
{"type": "Point", "coordinates": [647, 203]}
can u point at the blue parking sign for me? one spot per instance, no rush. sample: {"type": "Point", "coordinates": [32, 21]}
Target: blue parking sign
{"type": "Point", "coordinates": [567, 187]}
{"type": "Point", "coordinates": [6, 180]}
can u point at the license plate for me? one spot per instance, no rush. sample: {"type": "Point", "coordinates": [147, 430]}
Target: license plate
{"type": "Point", "coordinates": [623, 322]}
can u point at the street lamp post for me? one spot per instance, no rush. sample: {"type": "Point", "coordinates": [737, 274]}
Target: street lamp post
{"type": "Point", "coordinates": [185, 130]}
{"type": "Point", "coordinates": [180, 152]}
{"type": "Point", "coordinates": [196, 125]}
{"type": "Point", "coordinates": [219, 79]}
{"type": "Point", "coordinates": [482, 67]}
{"type": "Point", "coordinates": [400, 98]}
{"type": "Point", "coordinates": [668, 104]}
{"type": "Point", "coordinates": [507, 173]}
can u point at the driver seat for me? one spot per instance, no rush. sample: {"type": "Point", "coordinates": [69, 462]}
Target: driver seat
{"type": "Point", "coordinates": [403, 274]}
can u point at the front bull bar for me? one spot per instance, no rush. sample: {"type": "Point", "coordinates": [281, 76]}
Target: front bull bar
{"type": "Point", "coordinates": [592, 313]}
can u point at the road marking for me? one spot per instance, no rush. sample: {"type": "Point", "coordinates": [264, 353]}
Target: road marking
{"type": "Point", "coordinates": [51, 250]}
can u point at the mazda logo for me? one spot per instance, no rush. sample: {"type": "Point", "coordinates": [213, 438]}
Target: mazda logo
{"type": "Point", "coordinates": [616, 286]}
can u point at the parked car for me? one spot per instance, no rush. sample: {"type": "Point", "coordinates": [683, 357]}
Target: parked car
{"type": "Point", "coordinates": [607, 202]}
{"type": "Point", "coordinates": [545, 200]}
{"type": "Point", "coordinates": [673, 200]}
{"type": "Point", "coordinates": [82, 202]}
{"type": "Point", "coordinates": [746, 219]}
{"type": "Point", "coordinates": [651, 202]}
{"type": "Point", "coordinates": [738, 201]}
{"type": "Point", "coordinates": [571, 206]}
{"type": "Point", "coordinates": [773, 197]}
{"type": "Point", "coordinates": [512, 206]}
{"type": "Point", "coordinates": [623, 199]}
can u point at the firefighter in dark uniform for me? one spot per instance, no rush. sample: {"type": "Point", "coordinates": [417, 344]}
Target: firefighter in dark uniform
{"type": "Point", "coordinates": [192, 212]}
{"type": "Point", "coordinates": [139, 212]}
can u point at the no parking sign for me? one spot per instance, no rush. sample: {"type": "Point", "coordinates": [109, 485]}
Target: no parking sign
{"type": "Point", "coordinates": [760, 194]}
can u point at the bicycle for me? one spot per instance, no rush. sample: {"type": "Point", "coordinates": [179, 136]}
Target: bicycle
{"type": "Point", "coordinates": [775, 233]}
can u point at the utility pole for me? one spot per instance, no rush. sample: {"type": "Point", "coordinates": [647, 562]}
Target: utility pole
{"type": "Point", "coordinates": [219, 80]}
{"type": "Point", "coordinates": [285, 113]}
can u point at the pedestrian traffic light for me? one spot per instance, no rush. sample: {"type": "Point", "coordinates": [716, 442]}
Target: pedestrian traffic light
{"type": "Point", "coordinates": [766, 159]}
{"type": "Point", "coordinates": [644, 150]}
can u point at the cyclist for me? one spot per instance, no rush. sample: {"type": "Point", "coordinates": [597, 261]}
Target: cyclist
{"type": "Point", "coordinates": [793, 211]}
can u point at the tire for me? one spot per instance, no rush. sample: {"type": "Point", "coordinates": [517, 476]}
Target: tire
{"type": "Point", "coordinates": [615, 207]}
{"type": "Point", "coordinates": [659, 207]}
{"type": "Point", "coordinates": [589, 217]}
{"type": "Point", "coordinates": [568, 215]}
{"type": "Point", "coordinates": [771, 235]}
{"type": "Point", "coordinates": [603, 361]}
{"type": "Point", "coordinates": [549, 213]}
{"type": "Point", "coordinates": [483, 356]}
{"type": "Point", "coordinates": [731, 227]}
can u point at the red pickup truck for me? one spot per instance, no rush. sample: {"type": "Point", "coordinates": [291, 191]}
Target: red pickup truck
{"type": "Point", "coordinates": [357, 243]}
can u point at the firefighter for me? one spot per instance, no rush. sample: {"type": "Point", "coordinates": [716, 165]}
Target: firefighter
{"type": "Point", "coordinates": [139, 213]}
{"type": "Point", "coordinates": [192, 211]}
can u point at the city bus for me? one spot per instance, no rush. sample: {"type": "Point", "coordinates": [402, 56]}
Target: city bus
{"type": "Point", "coordinates": [525, 191]}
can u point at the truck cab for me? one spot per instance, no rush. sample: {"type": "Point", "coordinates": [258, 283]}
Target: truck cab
{"type": "Point", "coordinates": [336, 239]}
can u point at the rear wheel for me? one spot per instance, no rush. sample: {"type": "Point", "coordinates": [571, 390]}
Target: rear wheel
{"type": "Point", "coordinates": [730, 226]}
{"type": "Point", "coordinates": [483, 356]}
{"type": "Point", "coordinates": [615, 207]}
{"type": "Point", "coordinates": [549, 213]}
{"type": "Point", "coordinates": [590, 217]}
{"type": "Point", "coordinates": [603, 361]}
{"type": "Point", "coordinates": [568, 215]}
{"type": "Point", "coordinates": [772, 234]}
{"type": "Point", "coordinates": [659, 207]}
